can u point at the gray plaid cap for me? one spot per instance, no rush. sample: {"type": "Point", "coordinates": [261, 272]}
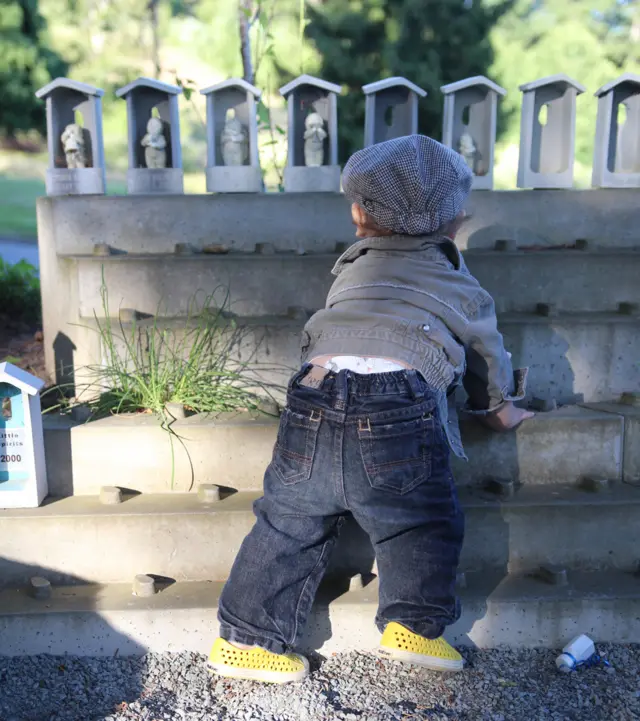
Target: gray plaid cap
{"type": "Point", "coordinates": [411, 185]}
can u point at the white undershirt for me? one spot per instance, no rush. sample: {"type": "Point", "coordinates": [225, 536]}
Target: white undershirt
{"type": "Point", "coordinates": [361, 365]}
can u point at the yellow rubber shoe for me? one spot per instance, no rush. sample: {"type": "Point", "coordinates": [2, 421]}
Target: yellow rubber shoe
{"type": "Point", "coordinates": [256, 664]}
{"type": "Point", "coordinates": [403, 645]}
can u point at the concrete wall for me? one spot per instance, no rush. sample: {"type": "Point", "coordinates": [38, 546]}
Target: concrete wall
{"type": "Point", "coordinates": [588, 352]}
{"type": "Point", "coordinates": [316, 221]}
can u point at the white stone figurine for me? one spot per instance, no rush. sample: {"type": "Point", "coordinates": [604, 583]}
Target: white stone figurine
{"type": "Point", "coordinates": [314, 137]}
{"type": "Point", "coordinates": [73, 146]}
{"type": "Point", "coordinates": [467, 148]}
{"type": "Point", "coordinates": [234, 140]}
{"type": "Point", "coordinates": [155, 144]}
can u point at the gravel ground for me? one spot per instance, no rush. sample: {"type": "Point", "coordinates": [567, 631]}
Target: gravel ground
{"type": "Point", "coordinates": [497, 686]}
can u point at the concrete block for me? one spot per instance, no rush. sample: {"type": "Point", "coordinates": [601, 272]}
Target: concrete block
{"type": "Point", "coordinates": [514, 611]}
{"type": "Point", "coordinates": [175, 411]}
{"type": "Point", "coordinates": [76, 181]}
{"type": "Point", "coordinates": [144, 586]}
{"type": "Point", "coordinates": [39, 588]}
{"type": "Point", "coordinates": [208, 493]}
{"type": "Point", "coordinates": [548, 310]}
{"type": "Point", "coordinates": [356, 583]}
{"type": "Point", "coordinates": [506, 245]}
{"type": "Point", "coordinates": [85, 457]}
{"type": "Point", "coordinates": [101, 250]}
{"type": "Point", "coordinates": [559, 447]}
{"type": "Point", "coordinates": [543, 405]}
{"type": "Point", "coordinates": [630, 414]}
{"type": "Point", "coordinates": [627, 308]}
{"type": "Point", "coordinates": [596, 485]}
{"type": "Point", "coordinates": [323, 179]}
{"type": "Point", "coordinates": [158, 181]}
{"type": "Point", "coordinates": [179, 537]}
{"type": "Point", "coordinates": [110, 495]}
{"type": "Point", "coordinates": [502, 487]}
{"type": "Point", "coordinates": [553, 574]}
{"type": "Point", "coordinates": [216, 249]}
{"type": "Point", "coordinates": [183, 249]}
{"type": "Point", "coordinates": [265, 248]}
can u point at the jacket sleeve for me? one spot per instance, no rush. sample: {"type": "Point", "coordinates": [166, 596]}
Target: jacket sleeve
{"type": "Point", "coordinates": [490, 380]}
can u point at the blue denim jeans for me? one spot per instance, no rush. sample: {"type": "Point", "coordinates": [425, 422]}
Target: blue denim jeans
{"type": "Point", "coordinates": [372, 446]}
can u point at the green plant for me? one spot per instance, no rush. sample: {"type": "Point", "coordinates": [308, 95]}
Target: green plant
{"type": "Point", "coordinates": [20, 292]}
{"type": "Point", "coordinates": [147, 366]}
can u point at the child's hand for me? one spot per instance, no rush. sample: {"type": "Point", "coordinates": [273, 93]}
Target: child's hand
{"type": "Point", "coordinates": [506, 419]}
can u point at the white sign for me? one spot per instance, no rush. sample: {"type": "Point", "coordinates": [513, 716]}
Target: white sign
{"type": "Point", "coordinates": [13, 449]}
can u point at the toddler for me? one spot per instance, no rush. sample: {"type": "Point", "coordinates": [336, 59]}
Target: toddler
{"type": "Point", "coordinates": [370, 424]}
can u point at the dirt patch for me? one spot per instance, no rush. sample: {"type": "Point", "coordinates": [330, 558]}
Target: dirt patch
{"type": "Point", "coordinates": [23, 346]}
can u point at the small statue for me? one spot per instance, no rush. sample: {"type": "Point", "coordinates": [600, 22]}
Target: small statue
{"type": "Point", "coordinates": [73, 145]}
{"type": "Point", "coordinates": [467, 148]}
{"type": "Point", "coordinates": [314, 137]}
{"type": "Point", "coordinates": [234, 140]}
{"type": "Point", "coordinates": [154, 143]}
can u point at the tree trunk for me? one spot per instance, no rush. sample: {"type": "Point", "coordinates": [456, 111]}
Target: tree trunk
{"type": "Point", "coordinates": [155, 34]}
{"type": "Point", "coordinates": [245, 12]}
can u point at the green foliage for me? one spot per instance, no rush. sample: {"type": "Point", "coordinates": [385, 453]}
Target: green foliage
{"type": "Point", "coordinates": [20, 292]}
{"type": "Point", "coordinates": [430, 42]}
{"type": "Point", "coordinates": [589, 40]}
{"type": "Point", "coordinates": [26, 64]}
{"type": "Point", "coordinates": [146, 366]}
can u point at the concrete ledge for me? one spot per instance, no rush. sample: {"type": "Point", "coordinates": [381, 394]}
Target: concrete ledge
{"type": "Point", "coordinates": [631, 456]}
{"type": "Point", "coordinates": [573, 357]}
{"type": "Point", "coordinates": [259, 285]}
{"type": "Point", "coordinates": [181, 538]}
{"type": "Point", "coordinates": [514, 611]}
{"type": "Point", "coordinates": [316, 221]}
{"type": "Point", "coordinates": [558, 447]}
{"type": "Point", "coordinates": [229, 450]}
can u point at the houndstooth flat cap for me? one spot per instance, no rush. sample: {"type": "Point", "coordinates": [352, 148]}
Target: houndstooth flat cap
{"type": "Point", "coordinates": [411, 185]}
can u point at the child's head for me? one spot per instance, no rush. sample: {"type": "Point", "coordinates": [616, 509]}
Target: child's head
{"type": "Point", "coordinates": [408, 186]}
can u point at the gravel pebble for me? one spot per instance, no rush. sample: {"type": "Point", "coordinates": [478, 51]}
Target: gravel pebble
{"type": "Point", "coordinates": [498, 685]}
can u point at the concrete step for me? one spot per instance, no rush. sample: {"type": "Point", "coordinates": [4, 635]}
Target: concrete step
{"type": "Point", "coordinates": [259, 285]}
{"type": "Point", "coordinates": [573, 357]}
{"type": "Point", "coordinates": [233, 450]}
{"type": "Point", "coordinates": [516, 610]}
{"type": "Point", "coordinates": [316, 221]}
{"type": "Point", "coordinates": [181, 538]}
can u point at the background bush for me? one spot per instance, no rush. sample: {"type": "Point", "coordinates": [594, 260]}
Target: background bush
{"type": "Point", "coordinates": [20, 293]}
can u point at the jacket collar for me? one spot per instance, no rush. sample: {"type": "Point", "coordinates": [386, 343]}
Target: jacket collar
{"type": "Point", "coordinates": [397, 242]}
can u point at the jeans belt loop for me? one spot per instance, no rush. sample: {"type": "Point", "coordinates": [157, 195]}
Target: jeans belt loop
{"type": "Point", "coordinates": [342, 389]}
{"type": "Point", "coordinates": [414, 385]}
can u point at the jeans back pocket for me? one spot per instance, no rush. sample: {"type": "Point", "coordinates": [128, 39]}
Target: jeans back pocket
{"type": "Point", "coordinates": [296, 445]}
{"type": "Point", "coordinates": [397, 456]}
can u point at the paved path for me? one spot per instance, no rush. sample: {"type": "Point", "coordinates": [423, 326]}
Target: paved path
{"type": "Point", "coordinates": [14, 250]}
